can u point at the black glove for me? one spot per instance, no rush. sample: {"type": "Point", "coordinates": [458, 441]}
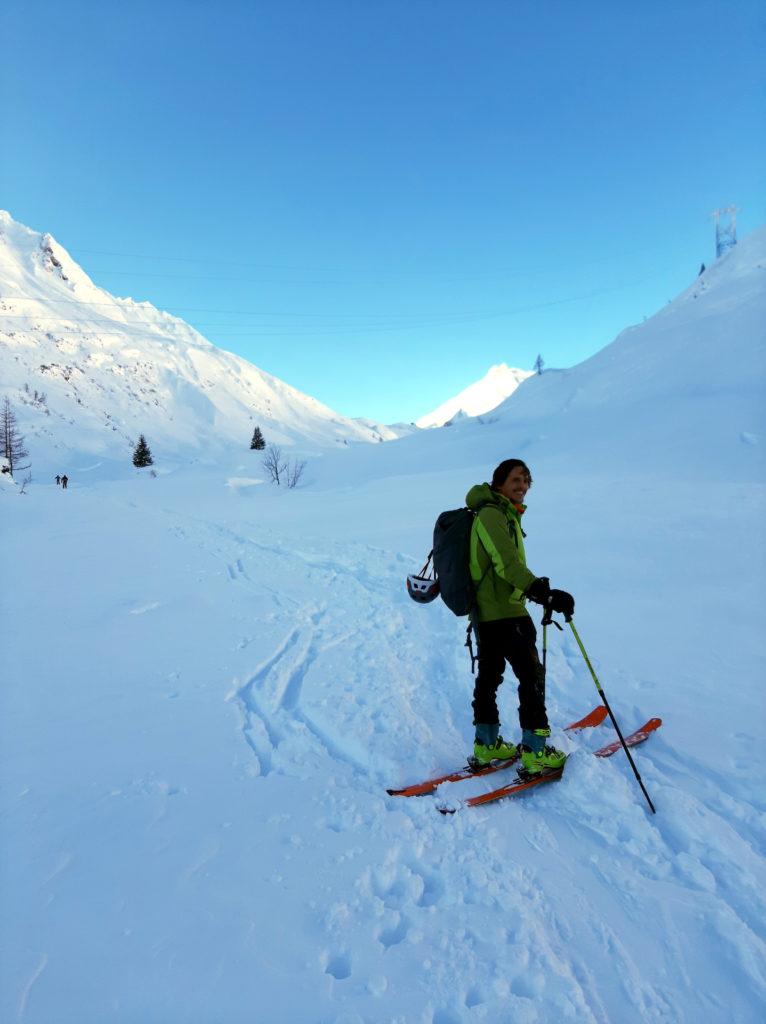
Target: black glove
{"type": "Point", "coordinates": [562, 602]}
{"type": "Point", "coordinates": [539, 590]}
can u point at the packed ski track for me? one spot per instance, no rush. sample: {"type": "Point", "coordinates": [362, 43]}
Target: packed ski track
{"type": "Point", "coordinates": [244, 856]}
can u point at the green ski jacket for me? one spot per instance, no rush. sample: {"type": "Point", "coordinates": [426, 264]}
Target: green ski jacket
{"type": "Point", "coordinates": [497, 560]}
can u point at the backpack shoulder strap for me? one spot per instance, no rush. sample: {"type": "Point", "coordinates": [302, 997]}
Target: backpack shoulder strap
{"type": "Point", "coordinates": [485, 504]}
{"type": "Point", "coordinates": [479, 507]}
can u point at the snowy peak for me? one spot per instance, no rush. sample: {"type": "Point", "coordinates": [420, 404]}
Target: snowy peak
{"type": "Point", "coordinates": [36, 256]}
{"type": "Point", "coordinates": [54, 260]}
{"type": "Point", "coordinates": [37, 272]}
{"type": "Point", "coordinates": [496, 385]}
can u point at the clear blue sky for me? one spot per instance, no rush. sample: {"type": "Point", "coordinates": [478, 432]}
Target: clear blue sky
{"type": "Point", "coordinates": [378, 199]}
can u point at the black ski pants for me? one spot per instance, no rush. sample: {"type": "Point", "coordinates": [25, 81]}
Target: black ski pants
{"type": "Point", "coordinates": [511, 640]}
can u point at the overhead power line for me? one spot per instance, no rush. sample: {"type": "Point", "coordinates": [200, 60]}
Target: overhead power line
{"type": "Point", "coordinates": [233, 312]}
{"type": "Point", "coordinates": [354, 270]}
{"type": "Point", "coordinates": [353, 273]}
{"type": "Point", "coordinates": [415, 319]}
{"type": "Point", "coordinates": [454, 320]}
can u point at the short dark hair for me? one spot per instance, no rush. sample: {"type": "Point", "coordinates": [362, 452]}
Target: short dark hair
{"type": "Point", "coordinates": [503, 470]}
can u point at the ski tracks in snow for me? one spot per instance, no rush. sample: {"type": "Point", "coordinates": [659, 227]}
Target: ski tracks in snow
{"type": "Point", "coordinates": [272, 707]}
{"type": "Point", "coordinates": [320, 601]}
{"type": "Point", "coordinates": [340, 684]}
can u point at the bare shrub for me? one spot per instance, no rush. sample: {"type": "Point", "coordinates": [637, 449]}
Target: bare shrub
{"type": "Point", "coordinates": [294, 472]}
{"type": "Point", "coordinates": [274, 464]}
{"type": "Point", "coordinates": [282, 470]}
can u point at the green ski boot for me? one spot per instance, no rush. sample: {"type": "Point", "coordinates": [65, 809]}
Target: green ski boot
{"type": "Point", "coordinates": [490, 746]}
{"type": "Point", "coordinates": [536, 755]}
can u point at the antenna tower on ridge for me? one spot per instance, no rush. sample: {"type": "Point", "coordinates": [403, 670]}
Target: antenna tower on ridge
{"type": "Point", "coordinates": [725, 229]}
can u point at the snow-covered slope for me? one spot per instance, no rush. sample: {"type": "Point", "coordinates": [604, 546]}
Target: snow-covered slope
{"type": "Point", "coordinates": [482, 396]}
{"type": "Point", "coordinates": [679, 395]}
{"type": "Point", "coordinates": [682, 392]}
{"type": "Point", "coordinates": [110, 368]}
{"type": "Point", "coordinates": [208, 686]}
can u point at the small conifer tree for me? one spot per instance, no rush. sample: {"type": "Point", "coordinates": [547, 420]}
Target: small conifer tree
{"type": "Point", "coordinates": [142, 456]}
{"type": "Point", "coordinates": [257, 443]}
{"type": "Point", "coordinates": [539, 364]}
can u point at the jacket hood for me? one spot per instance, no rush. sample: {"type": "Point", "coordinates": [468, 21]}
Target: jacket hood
{"type": "Point", "coordinates": [482, 492]}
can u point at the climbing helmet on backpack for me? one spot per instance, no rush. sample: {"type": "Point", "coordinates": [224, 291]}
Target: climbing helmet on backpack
{"type": "Point", "coordinates": [422, 588]}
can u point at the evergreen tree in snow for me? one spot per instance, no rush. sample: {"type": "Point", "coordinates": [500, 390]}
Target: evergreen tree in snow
{"type": "Point", "coordinates": [539, 364]}
{"type": "Point", "coordinates": [142, 456]}
{"type": "Point", "coordinates": [12, 441]}
{"type": "Point", "coordinates": [257, 442]}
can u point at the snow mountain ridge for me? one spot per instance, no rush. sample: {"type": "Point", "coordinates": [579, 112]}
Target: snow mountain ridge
{"type": "Point", "coordinates": [111, 368]}
{"type": "Point", "coordinates": [482, 396]}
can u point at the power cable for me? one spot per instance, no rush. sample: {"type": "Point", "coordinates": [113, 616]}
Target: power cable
{"type": "Point", "coordinates": [524, 271]}
{"type": "Point", "coordinates": [338, 270]}
{"type": "Point", "coordinates": [417, 321]}
{"type": "Point", "coordinates": [375, 328]}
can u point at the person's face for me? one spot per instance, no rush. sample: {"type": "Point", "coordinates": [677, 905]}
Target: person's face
{"type": "Point", "coordinates": [516, 485]}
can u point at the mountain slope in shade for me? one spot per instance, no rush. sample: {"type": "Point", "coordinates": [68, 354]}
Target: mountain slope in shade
{"type": "Point", "coordinates": [482, 396]}
{"type": "Point", "coordinates": [87, 372]}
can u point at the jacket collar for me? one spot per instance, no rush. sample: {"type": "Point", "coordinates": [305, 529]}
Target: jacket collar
{"type": "Point", "coordinates": [510, 507]}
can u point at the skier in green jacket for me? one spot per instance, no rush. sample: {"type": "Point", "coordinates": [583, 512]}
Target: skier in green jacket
{"type": "Point", "coordinates": [504, 628]}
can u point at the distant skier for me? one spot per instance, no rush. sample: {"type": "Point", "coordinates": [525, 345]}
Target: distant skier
{"type": "Point", "coordinates": [64, 481]}
{"type": "Point", "coordinates": [504, 628]}
{"type": "Point", "coordinates": [58, 479]}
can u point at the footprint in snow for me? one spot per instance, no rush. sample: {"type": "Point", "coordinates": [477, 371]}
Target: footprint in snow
{"type": "Point", "coordinates": [397, 933]}
{"type": "Point", "coordinates": [339, 966]}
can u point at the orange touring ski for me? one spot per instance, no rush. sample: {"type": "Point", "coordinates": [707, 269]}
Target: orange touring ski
{"type": "Point", "coordinates": [466, 772]}
{"type": "Point", "coordinates": [523, 781]}
{"type": "Point", "coordinates": [470, 771]}
{"type": "Point", "coordinates": [594, 717]}
{"type": "Point", "coordinates": [631, 741]}
{"type": "Point", "coordinates": [526, 781]}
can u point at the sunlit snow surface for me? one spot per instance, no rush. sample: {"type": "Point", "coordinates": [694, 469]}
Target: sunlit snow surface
{"type": "Point", "coordinates": [111, 368]}
{"type": "Point", "coordinates": [480, 397]}
{"type": "Point", "coordinates": [208, 685]}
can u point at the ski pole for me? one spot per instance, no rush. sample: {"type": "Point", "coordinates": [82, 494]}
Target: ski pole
{"type": "Point", "coordinates": [545, 646]}
{"type": "Point", "coordinates": [609, 711]}
{"type": "Point", "coordinates": [547, 620]}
